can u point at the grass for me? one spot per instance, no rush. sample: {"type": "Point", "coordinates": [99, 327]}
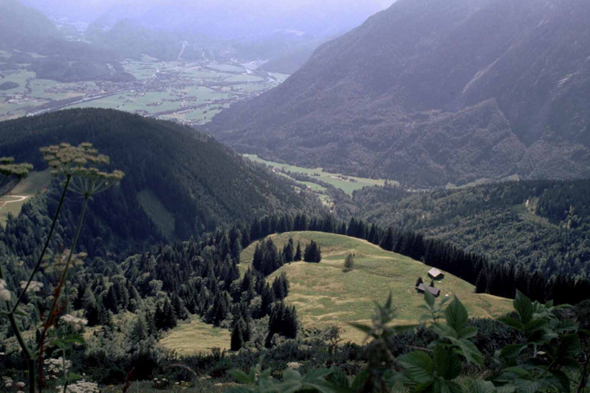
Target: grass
{"type": "Point", "coordinates": [31, 185]}
{"type": "Point", "coordinates": [335, 179]}
{"type": "Point", "coordinates": [158, 213]}
{"type": "Point", "coordinates": [195, 337]}
{"type": "Point", "coordinates": [324, 295]}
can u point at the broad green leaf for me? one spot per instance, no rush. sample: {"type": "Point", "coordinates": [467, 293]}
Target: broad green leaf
{"type": "Point", "coordinates": [569, 346]}
{"type": "Point", "coordinates": [447, 362]}
{"type": "Point", "coordinates": [290, 374]}
{"type": "Point", "coordinates": [338, 378]}
{"type": "Point", "coordinates": [316, 374]}
{"type": "Point", "coordinates": [241, 376]}
{"type": "Point", "coordinates": [444, 330]}
{"type": "Point", "coordinates": [524, 307]}
{"type": "Point", "coordinates": [566, 325]}
{"type": "Point", "coordinates": [468, 332]}
{"type": "Point", "coordinates": [560, 381]}
{"type": "Point", "coordinates": [511, 322]}
{"type": "Point", "coordinates": [359, 380]}
{"type": "Point", "coordinates": [535, 324]}
{"type": "Point", "coordinates": [239, 389]}
{"type": "Point", "coordinates": [512, 350]}
{"type": "Point", "coordinates": [482, 387]}
{"type": "Point", "coordinates": [468, 350]}
{"type": "Point", "coordinates": [527, 386]}
{"type": "Point", "coordinates": [456, 315]}
{"type": "Point", "coordinates": [429, 299]}
{"type": "Point", "coordinates": [418, 365]}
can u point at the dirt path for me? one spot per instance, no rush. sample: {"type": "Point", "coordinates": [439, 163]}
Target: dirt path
{"type": "Point", "coordinates": [19, 198]}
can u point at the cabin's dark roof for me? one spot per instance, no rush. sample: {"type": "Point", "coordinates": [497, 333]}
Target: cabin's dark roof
{"type": "Point", "coordinates": [424, 288]}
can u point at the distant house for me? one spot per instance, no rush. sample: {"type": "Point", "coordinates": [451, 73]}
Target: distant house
{"type": "Point", "coordinates": [435, 274]}
{"type": "Point", "coordinates": [423, 288]}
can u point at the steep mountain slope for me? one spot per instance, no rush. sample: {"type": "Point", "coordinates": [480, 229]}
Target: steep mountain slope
{"type": "Point", "coordinates": [432, 92]}
{"type": "Point", "coordinates": [539, 225]}
{"type": "Point", "coordinates": [186, 183]}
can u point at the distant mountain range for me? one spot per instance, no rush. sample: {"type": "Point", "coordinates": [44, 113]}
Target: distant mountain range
{"type": "Point", "coordinates": [285, 31]}
{"type": "Point", "coordinates": [431, 92]}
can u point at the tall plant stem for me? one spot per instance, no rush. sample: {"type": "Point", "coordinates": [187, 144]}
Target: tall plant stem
{"type": "Point", "coordinates": [22, 343]}
{"type": "Point", "coordinates": [40, 260]}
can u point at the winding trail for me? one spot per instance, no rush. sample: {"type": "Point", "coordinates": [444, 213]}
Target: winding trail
{"type": "Point", "coordinates": [19, 198]}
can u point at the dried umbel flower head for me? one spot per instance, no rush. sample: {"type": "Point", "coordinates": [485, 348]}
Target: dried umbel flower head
{"type": "Point", "coordinates": [4, 292]}
{"type": "Point", "coordinates": [80, 163]}
{"type": "Point", "coordinates": [9, 168]}
{"type": "Point", "coordinates": [57, 263]}
{"type": "Point", "coordinates": [65, 159]}
{"type": "Point", "coordinates": [77, 323]}
{"type": "Point", "coordinates": [34, 286]}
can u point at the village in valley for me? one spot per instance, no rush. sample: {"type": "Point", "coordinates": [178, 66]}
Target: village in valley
{"type": "Point", "coordinates": [189, 93]}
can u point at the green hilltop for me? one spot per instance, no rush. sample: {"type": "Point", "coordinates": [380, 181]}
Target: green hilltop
{"type": "Point", "coordinates": [325, 295]}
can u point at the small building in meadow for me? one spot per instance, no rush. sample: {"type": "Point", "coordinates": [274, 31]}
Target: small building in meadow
{"type": "Point", "coordinates": [435, 274]}
{"type": "Point", "coordinates": [423, 288]}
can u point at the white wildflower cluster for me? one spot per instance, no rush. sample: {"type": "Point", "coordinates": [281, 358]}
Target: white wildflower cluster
{"type": "Point", "coordinates": [9, 384]}
{"type": "Point", "coordinates": [55, 367]}
{"type": "Point", "coordinates": [294, 365]}
{"type": "Point", "coordinates": [34, 286]}
{"type": "Point", "coordinates": [80, 387]}
{"type": "Point", "coordinates": [4, 293]}
{"type": "Point", "coordinates": [77, 323]}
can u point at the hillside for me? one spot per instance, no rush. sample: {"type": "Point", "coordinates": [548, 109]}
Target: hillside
{"type": "Point", "coordinates": [435, 92]}
{"type": "Point", "coordinates": [22, 26]}
{"type": "Point", "coordinates": [539, 225]}
{"type": "Point", "coordinates": [325, 295]}
{"type": "Point", "coordinates": [178, 181]}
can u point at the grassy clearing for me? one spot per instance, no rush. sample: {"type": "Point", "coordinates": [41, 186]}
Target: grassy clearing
{"type": "Point", "coordinates": [348, 184]}
{"type": "Point", "coordinates": [324, 295]}
{"type": "Point", "coordinates": [158, 213]}
{"type": "Point", "coordinates": [13, 202]}
{"type": "Point", "coordinates": [195, 337]}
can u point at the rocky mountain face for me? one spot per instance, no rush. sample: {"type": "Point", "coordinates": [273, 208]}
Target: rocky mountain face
{"type": "Point", "coordinates": [431, 92]}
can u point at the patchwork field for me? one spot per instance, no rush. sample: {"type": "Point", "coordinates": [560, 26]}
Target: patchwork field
{"type": "Point", "coordinates": [13, 202]}
{"type": "Point", "coordinates": [187, 92]}
{"type": "Point", "coordinates": [325, 295]}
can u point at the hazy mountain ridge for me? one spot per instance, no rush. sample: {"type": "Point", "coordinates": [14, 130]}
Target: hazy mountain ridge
{"type": "Point", "coordinates": [431, 92]}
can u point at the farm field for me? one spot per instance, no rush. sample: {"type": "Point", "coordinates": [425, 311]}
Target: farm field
{"type": "Point", "coordinates": [186, 92]}
{"type": "Point", "coordinates": [348, 184]}
{"type": "Point", "coordinates": [325, 295]}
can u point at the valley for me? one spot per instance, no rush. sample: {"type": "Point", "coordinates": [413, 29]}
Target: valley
{"type": "Point", "coordinates": [186, 92]}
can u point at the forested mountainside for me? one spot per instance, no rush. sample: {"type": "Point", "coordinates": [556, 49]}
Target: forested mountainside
{"type": "Point", "coordinates": [184, 182]}
{"type": "Point", "coordinates": [435, 92]}
{"type": "Point", "coordinates": [539, 225]}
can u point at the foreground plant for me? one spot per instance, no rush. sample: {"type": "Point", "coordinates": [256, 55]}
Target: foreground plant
{"type": "Point", "coordinates": [76, 167]}
{"type": "Point", "coordinates": [547, 362]}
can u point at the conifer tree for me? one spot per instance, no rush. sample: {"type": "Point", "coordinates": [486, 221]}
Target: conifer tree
{"type": "Point", "coordinates": [298, 255]}
{"type": "Point", "coordinates": [237, 337]}
{"type": "Point", "coordinates": [349, 263]}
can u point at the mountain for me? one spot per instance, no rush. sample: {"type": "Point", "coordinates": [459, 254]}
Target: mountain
{"type": "Point", "coordinates": [178, 183]}
{"type": "Point", "coordinates": [538, 225]}
{"type": "Point", "coordinates": [22, 26]}
{"type": "Point", "coordinates": [430, 92]}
